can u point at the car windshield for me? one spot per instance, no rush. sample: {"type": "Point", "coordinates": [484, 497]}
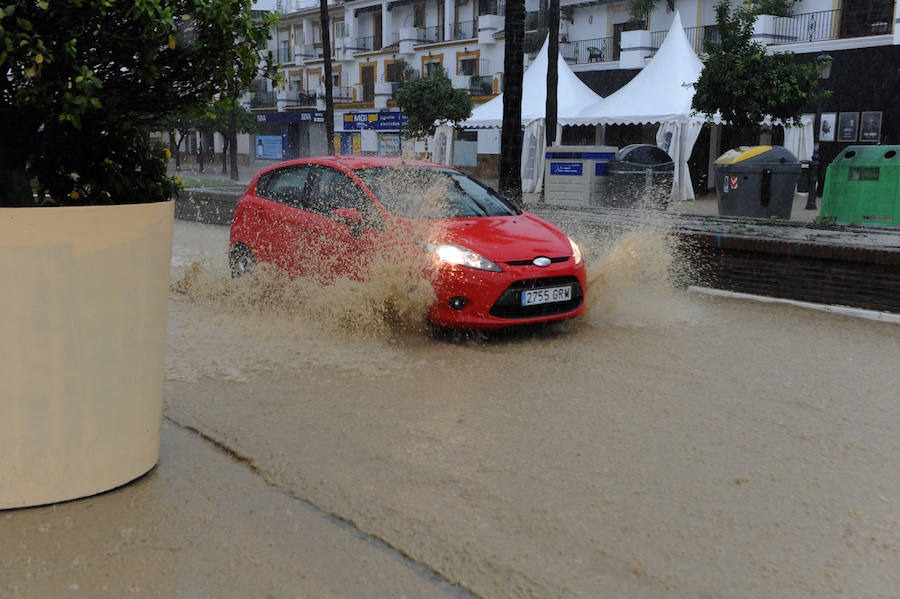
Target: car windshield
{"type": "Point", "coordinates": [431, 193]}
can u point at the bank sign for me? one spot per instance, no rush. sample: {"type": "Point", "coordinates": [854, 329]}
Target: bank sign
{"type": "Point", "coordinates": [566, 168]}
{"type": "Point", "coordinates": [292, 117]}
{"type": "Point", "coordinates": [379, 121]}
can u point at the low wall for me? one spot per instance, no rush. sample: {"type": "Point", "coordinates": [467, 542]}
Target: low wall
{"type": "Point", "coordinates": [863, 277]}
{"type": "Point", "coordinates": [213, 206]}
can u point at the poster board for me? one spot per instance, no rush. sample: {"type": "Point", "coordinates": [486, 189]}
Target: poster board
{"type": "Point", "coordinates": [870, 127]}
{"type": "Point", "coordinates": [848, 126]}
{"type": "Point", "coordinates": [827, 126]}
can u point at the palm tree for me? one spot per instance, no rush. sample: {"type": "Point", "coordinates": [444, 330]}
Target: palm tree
{"type": "Point", "coordinates": [552, 74]}
{"type": "Point", "coordinates": [329, 93]}
{"type": "Point", "coordinates": [511, 134]}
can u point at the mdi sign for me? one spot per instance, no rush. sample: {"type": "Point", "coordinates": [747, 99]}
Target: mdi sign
{"type": "Point", "coordinates": [379, 121]}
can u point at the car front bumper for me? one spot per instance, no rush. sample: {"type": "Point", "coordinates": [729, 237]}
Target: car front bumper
{"type": "Point", "coordinates": [493, 299]}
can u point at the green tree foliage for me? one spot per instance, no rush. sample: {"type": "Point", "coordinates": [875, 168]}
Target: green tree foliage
{"type": "Point", "coordinates": [779, 8]}
{"type": "Point", "coordinates": [641, 9]}
{"type": "Point", "coordinates": [83, 79]}
{"type": "Point", "coordinates": [217, 115]}
{"type": "Point", "coordinates": [743, 84]}
{"type": "Point", "coordinates": [432, 99]}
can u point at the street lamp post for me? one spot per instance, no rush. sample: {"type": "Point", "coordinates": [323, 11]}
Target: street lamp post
{"type": "Point", "coordinates": [823, 67]}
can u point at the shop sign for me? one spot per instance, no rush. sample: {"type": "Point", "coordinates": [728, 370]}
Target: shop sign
{"type": "Point", "coordinates": [378, 121]}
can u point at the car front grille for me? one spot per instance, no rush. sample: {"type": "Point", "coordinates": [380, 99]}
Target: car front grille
{"type": "Point", "coordinates": [530, 262]}
{"type": "Point", "coordinates": [510, 303]}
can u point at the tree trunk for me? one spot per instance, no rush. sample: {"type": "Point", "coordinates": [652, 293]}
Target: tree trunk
{"type": "Point", "coordinates": [232, 140]}
{"type": "Point", "coordinates": [552, 74]}
{"type": "Point", "coordinates": [176, 146]}
{"type": "Point", "coordinates": [511, 134]}
{"type": "Point", "coordinates": [225, 145]}
{"type": "Point", "coordinates": [329, 92]}
{"type": "Point", "coordinates": [200, 153]}
{"type": "Point", "coordinates": [15, 188]}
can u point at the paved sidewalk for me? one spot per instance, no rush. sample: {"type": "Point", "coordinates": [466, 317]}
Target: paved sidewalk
{"type": "Point", "coordinates": [202, 523]}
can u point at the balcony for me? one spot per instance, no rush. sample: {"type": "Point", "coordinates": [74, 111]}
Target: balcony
{"type": "Point", "coordinates": [298, 98]}
{"type": "Point", "coordinates": [369, 43]}
{"type": "Point", "coordinates": [464, 30]}
{"type": "Point", "coordinates": [342, 93]}
{"type": "Point", "coordinates": [430, 35]}
{"type": "Point", "coordinates": [536, 19]}
{"type": "Point", "coordinates": [491, 7]}
{"type": "Point", "coordinates": [285, 55]}
{"type": "Point", "coordinates": [262, 99]}
{"type": "Point", "coordinates": [834, 24]}
{"type": "Point", "coordinates": [481, 85]}
{"type": "Point", "coordinates": [805, 27]}
{"type": "Point", "coordinates": [586, 51]}
{"type": "Point", "coordinates": [471, 66]}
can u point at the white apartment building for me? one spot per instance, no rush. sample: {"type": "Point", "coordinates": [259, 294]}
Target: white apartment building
{"type": "Point", "coordinates": [372, 39]}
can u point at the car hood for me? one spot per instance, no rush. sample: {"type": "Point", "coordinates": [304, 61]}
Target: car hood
{"type": "Point", "coordinates": [504, 238]}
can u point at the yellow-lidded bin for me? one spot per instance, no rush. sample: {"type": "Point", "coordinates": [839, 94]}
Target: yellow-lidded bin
{"type": "Point", "coordinates": [757, 181]}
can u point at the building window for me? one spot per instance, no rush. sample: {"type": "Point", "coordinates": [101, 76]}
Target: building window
{"type": "Point", "coordinates": [394, 71]}
{"type": "Point", "coordinates": [419, 15]}
{"type": "Point", "coordinates": [430, 64]}
{"type": "Point", "coordinates": [467, 65]}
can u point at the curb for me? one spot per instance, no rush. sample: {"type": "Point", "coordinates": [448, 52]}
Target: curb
{"type": "Point", "coordinates": [890, 317]}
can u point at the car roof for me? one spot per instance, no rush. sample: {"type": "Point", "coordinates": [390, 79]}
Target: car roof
{"type": "Point", "coordinates": [354, 162]}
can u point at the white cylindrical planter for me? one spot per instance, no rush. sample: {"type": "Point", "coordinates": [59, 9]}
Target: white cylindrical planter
{"type": "Point", "coordinates": [82, 347]}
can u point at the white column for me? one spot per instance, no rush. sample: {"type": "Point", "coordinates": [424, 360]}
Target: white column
{"type": "Point", "coordinates": [352, 27]}
{"type": "Point", "coordinates": [387, 32]}
{"type": "Point", "coordinates": [896, 23]}
{"type": "Point", "coordinates": [307, 32]}
{"type": "Point", "coordinates": [448, 18]}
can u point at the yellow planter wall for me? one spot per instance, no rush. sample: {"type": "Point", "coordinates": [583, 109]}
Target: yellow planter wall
{"type": "Point", "coordinates": [83, 303]}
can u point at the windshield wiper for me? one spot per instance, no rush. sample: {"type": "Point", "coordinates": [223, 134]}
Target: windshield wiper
{"type": "Point", "coordinates": [484, 211]}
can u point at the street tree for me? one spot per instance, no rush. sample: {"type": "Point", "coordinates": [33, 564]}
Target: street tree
{"type": "Point", "coordinates": [552, 72]}
{"type": "Point", "coordinates": [83, 79]}
{"type": "Point", "coordinates": [744, 85]}
{"type": "Point", "coordinates": [511, 132]}
{"type": "Point", "coordinates": [329, 90]}
{"type": "Point", "coordinates": [430, 100]}
{"type": "Point", "coordinates": [217, 118]}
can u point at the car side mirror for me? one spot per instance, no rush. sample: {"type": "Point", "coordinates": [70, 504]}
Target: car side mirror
{"type": "Point", "coordinates": [351, 217]}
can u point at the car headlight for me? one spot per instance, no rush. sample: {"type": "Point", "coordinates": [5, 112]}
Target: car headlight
{"type": "Point", "coordinates": [576, 251]}
{"type": "Point", "coordinates": [457, 254]}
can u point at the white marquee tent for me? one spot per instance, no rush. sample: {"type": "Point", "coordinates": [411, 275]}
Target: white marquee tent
{"type": "Point", "coordinates": [572, 95]}
{"type": "Point", "coordinates": [662, 93]}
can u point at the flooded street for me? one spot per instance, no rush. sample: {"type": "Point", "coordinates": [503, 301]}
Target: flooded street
{"type": "Point", "coordinates": [664, 444]}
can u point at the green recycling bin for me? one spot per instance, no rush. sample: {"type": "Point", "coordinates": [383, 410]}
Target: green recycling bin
{"type": "Point", "coordinates": [862, 185]}
{"type": "Point", "coordinates": [757, 181]}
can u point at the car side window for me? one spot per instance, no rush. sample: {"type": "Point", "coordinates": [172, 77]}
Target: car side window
{"type": "Point", "coordinates": [285, 185]}
{"type": "Point", "coordinates": [333, 189]}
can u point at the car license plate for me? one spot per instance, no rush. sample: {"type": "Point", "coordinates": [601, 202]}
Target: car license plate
{"type": "Point", "coordinates": [533, 297]}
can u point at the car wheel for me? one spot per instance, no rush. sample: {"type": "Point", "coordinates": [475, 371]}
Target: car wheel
{"type": "Point", "coordinates": [241, 260]}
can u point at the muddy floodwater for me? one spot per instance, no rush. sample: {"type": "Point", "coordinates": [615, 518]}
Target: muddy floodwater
{"type": "Point", "coordinates": [665, 444]}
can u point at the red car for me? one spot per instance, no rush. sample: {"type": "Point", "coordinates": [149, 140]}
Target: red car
{"type": "Point", "coordinates": [491, 264]}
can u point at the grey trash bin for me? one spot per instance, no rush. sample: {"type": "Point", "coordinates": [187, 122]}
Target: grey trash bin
{"type": "Point", "coordinates": [641, 177]}
{"type": "Point", "coordinates": [757, 181]}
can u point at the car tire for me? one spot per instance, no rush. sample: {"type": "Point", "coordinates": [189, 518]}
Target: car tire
{"type": "Point", "coordinates": [240, 260]}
